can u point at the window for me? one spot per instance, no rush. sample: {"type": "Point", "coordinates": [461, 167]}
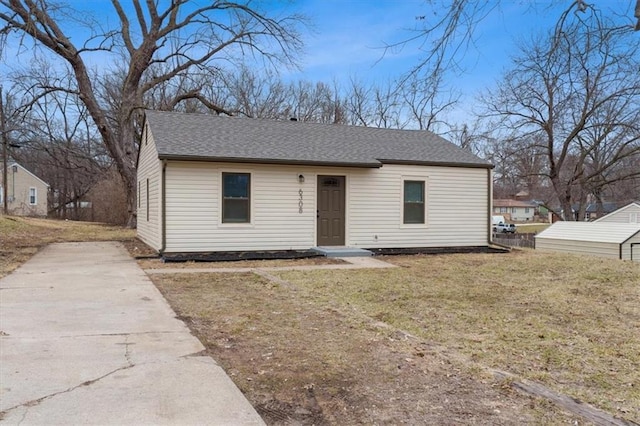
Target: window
{"type": "Point", "coordinates": [633, 217]}
{"type": "Point", "coordinates": [503, 209]}
{"type": "Point", "coordinates": [526, 209]}
{"type": "Point", "coordinates": [33, 199]}
{"type": "Point", "coordinates": [514, 210]}
{"type": "Point", "coordinates": [147, 200]}
{"type": "Point", "coordinates": [236, 190]}
{"type": "Point", "coordinates": [413, 201]}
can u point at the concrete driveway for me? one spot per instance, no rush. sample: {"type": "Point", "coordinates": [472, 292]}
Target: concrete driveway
{"type": "Point", "coordinates": [86, 338]}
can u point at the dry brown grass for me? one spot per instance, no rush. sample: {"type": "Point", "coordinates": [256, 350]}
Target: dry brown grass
{"type": "Point", "coordinates": [22, 237]}
{"type": "Point", "coordinates": [568, 322]}
{"type": "Point", "coordinates": [303, 359]}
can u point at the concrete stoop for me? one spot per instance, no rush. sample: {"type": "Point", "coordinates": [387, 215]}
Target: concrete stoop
{"type": "Point", "coordinates": [340, 251]}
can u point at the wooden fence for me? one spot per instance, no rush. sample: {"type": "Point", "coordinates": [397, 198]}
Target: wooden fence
{"type": "Point", "coordinates": [515, 240]}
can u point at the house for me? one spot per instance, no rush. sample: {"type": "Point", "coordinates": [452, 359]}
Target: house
{"type": "Point", "coordinates": [520, 211]}
{"type": "Point", "coordinates": [627, 214]}
{"type": "Point", "coordinates": [26, 192]}
{"type": "Point", "coordinates": [612, 240]}
{"type": "Point", "coordinates": [208, 184]}
{"type": "Point", "coordinates": [591, 210]}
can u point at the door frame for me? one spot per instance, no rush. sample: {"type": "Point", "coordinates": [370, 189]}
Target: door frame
{"type": "Point", "coordinates": [345, 194]}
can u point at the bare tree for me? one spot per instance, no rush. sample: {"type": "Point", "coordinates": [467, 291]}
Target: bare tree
{"type": "Point", "coordinates": [182, 35]}
{"type": "Point", "coordinates": [575, 93]}
{"type": "Point", "coordinates": [58, 141]}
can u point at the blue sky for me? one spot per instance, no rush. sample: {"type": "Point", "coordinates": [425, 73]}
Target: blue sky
{"type": "Point", "coordinates": [350, 33]}
{"type": "Point", "coordinates": [348, 36]}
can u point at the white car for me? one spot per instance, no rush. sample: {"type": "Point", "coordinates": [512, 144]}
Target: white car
{"type": "Point", "coordinates": [504, 228]}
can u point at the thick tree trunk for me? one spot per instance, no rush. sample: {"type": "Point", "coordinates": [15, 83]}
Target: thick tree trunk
{"type": "Point", "coordinates": [126, 161]}
{"type": "Point", "coordinates": [564, 197]}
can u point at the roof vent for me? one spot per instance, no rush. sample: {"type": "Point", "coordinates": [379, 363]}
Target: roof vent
{"type": "Point", "coordinates": [293, 119]}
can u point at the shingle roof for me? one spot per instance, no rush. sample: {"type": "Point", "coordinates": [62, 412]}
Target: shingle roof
{"type": "Point", "coordinates": [593, 207]}
{"type": "Point", "coordinates": [210, 137]}
{"type": "Point", "coordinates": [513, 203]}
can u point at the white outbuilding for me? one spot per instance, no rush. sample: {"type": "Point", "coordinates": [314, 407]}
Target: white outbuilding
{"type": "Point", "coordinates": [627, 214]}
{"type": "Point", "coordinates": [612, 240]}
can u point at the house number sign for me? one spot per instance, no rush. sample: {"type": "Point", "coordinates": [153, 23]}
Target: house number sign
{"type": "Point", "coordinates": [300, 202]}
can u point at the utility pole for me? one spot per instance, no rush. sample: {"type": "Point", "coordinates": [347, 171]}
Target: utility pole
{"type": "Point", "coordinates": [5, 154]}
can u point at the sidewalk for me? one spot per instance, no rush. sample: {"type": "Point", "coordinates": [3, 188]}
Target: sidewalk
{"type": "Point", "coordinates": [86, 338]}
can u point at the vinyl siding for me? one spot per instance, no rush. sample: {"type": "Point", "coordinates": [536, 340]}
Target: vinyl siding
{"type": "Point", "coordinates": [631, 248]}
{"type": "Point", "coordinates": [19, 184]}
{"type": "Point", "coordinates": [609, 250]}
{"type": "Point", "coordinates": [456, 207]}
{"type": "Point", "coordinates": [149, 167]}
{"type": "Point", "coordinates": [591, 238]}
{"type": "Point", "coordinates": [628, 214]}
{"type": "Point", "coordinates": [193, 209]}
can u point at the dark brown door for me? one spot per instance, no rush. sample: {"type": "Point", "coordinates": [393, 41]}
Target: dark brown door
{"type": "Point", "coordinates": [331, 193]}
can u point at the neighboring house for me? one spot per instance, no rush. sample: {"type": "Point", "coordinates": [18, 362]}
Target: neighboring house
{"type": "Point", "coordinates": [26, 192]}
{"type": "Point", "coordinates": [519, 211]}
{"type": "Point", "coordinates": [612, 240]}
{"type": "Point", "coordinates": [627, 214]}
{"type": "Point", "coordinates": [591, 211]}
{"type": "Point", "coordinates": [209, 183]}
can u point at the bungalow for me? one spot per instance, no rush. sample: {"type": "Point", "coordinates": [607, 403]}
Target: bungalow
{"type": "Point", "coordinates": [521, 211]}
{"type": "Point", "coordinates": [591, 211]}
{"type": "Point", "coordinates": [26, 193]}
{"type": "Point", "coordinates": [215, 184]}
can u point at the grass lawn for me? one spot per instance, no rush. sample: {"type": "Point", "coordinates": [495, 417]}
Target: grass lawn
{"type": "Point", "coordinates": [413, 344]}
{"type": "Point", "coordinates": [22, 237]}
{"type": "Point", "coordinates": [330, 346]}
{"type": "Point", "coordinates": [528, 228]}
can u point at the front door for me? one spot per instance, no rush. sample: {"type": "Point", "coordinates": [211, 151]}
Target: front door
{"type": "Point", "coordinates": [331, 192]}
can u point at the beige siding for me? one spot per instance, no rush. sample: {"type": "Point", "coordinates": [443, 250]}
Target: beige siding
{"type": "Point", "coordinates": [20, 182]}
{"type": "Point", "coordinates": [627, 214]}
{"type": "Point", "coordinates": [456, 213]}
{"type": "Point", "coordinates": [457, 207]}
{"type": "Point", "coordinates": [602, 249]}
{"type": "Point", "coordinates": [631, 248]}
{"type": "Point", "coordinates": [149, 168]}
{"type": "Point", "coordinates": [193, 215]}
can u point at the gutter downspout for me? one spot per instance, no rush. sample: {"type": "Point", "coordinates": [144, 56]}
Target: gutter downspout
{"type": "Point", "coordinates": [163, 205]}
{"type": "Point", "coordinates": [489, 206]}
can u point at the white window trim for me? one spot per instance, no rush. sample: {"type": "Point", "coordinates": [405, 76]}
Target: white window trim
{"type": "Point", "coordinates": [252, 185]}
{"type": "Point", "coordinates": [35, 196]}
{"type": "Point", "coordinates": [424, 179]}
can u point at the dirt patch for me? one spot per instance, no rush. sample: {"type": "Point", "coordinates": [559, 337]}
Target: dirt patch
{"type": "Point", "coordinates": [304, 359]}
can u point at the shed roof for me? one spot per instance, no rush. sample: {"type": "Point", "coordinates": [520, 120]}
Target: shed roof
{"type": "Point", "coordinates": [209, 137]}
{"type": "Point", "coordinates": [591, 231]}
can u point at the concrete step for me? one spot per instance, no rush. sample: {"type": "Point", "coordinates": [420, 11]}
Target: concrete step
{"type": "Point", "coordinates": [340, 251]}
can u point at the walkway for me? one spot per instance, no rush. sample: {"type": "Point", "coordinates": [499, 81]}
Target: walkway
{"type": "Point", "coordinates": [85, 337]}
